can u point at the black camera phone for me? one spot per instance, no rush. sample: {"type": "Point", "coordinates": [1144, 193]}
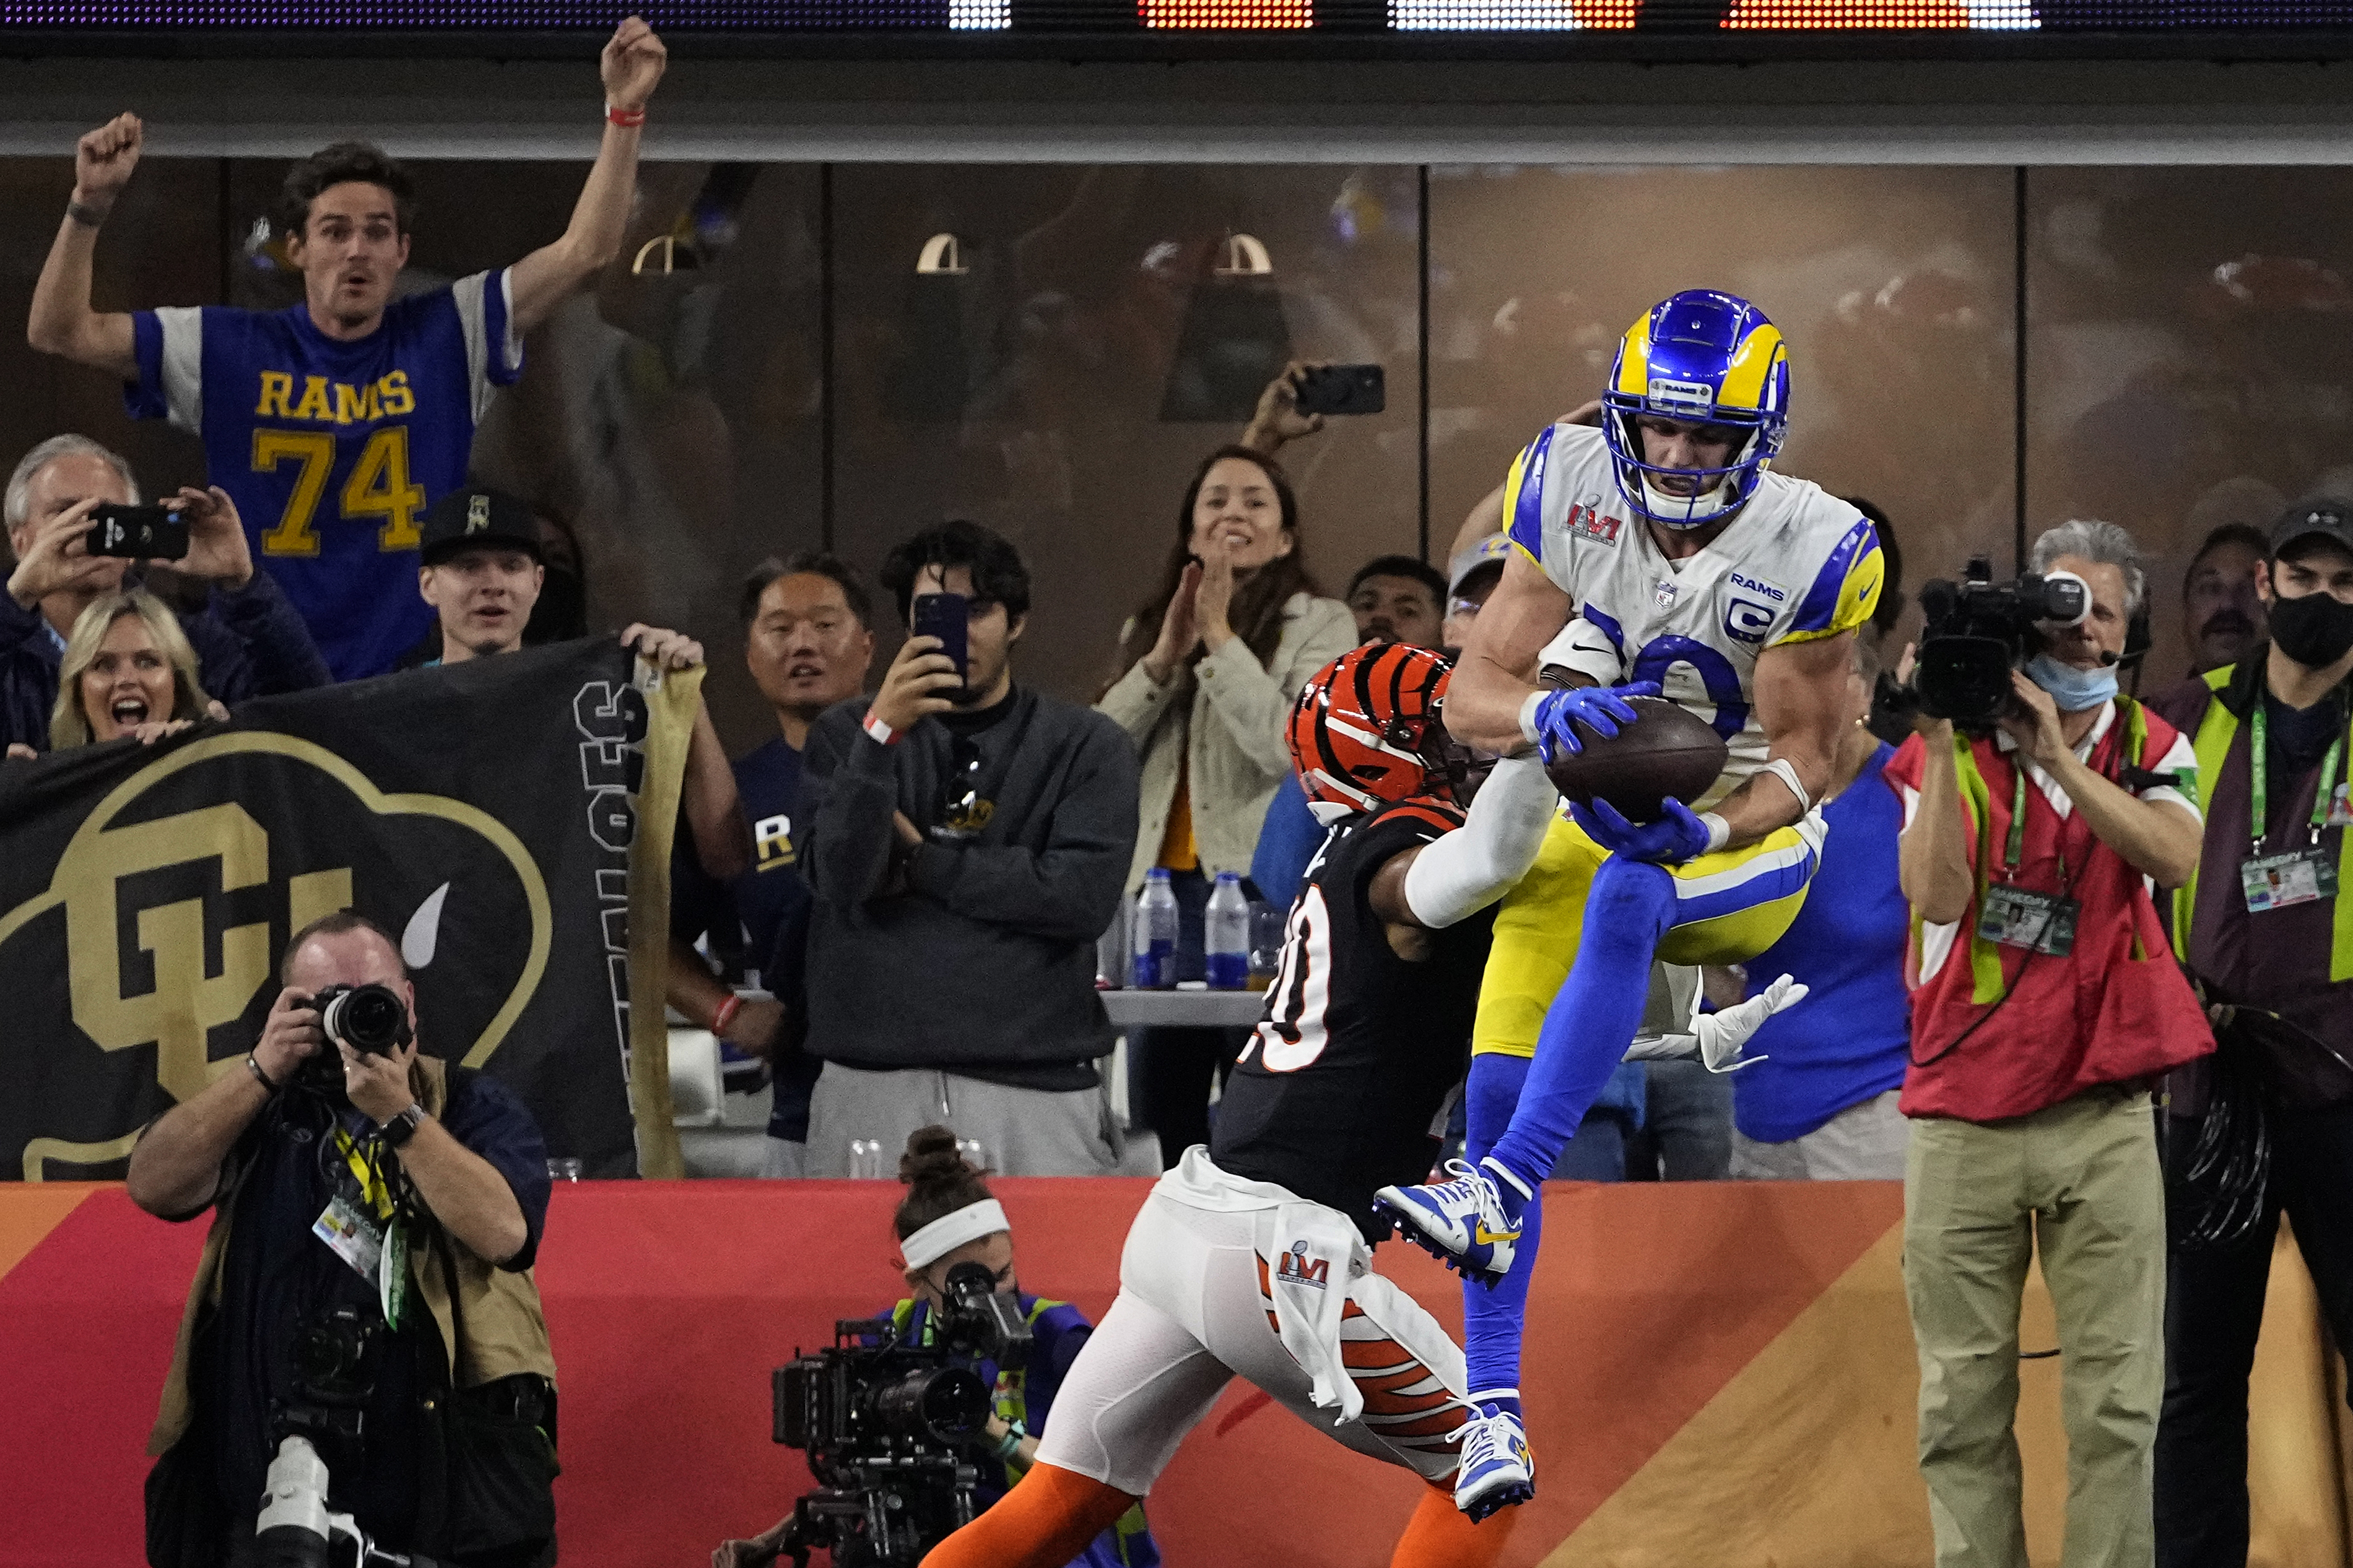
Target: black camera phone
{"type": "Point", "coordinates": [137, 533]}
{"type": "Point", "coordinates": [943, 616]}
{"type": "Point", "coordinates": [1342, 389]}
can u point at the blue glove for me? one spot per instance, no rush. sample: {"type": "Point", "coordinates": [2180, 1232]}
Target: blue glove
{"type": "Point", "coordinates": [1604, 708]}
{"type": "Point", "coordinates": [1673, 839]}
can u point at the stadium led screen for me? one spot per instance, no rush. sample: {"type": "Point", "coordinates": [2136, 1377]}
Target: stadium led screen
{"type": "Point", "coordinates": [2284, 27]}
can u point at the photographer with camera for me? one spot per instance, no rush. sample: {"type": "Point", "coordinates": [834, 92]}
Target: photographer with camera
{"type": "Point", "coordinates": [949, 1228]}
{"type": "Point", "coordinates": [2267, 1126]}
{"type": "Point", "coordinates": [363, 1306]}
{"type": "Point", "coordinates": [248, 642]}
{"type": "Point", "coordinates": [2047, 1000]}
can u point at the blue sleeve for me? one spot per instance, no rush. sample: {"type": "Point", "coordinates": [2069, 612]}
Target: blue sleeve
{"type": "Point", "coordinates": [1287, 841]}
{"type": "Point", "coordinates": [1062, 1333]}
{"type": "Point", "coordinates": [500, 369]}
{"type": "Point", "coordinates": [488, 1118]}
{"type": "Point", "coordinates": [143, 398]}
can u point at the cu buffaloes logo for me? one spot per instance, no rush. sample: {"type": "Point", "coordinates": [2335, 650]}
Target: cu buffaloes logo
{"type": "Point", "coordinates": [170, 900]}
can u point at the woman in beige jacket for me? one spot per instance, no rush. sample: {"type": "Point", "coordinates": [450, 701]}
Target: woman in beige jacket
{"type": "Point", "coordinates": [1209, 667]}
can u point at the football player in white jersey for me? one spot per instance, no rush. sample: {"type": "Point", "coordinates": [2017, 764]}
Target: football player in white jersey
{"type": "Point", "coordinates": [1658, 554]}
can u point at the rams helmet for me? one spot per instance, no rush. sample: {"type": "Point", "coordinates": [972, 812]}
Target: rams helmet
{"type": "Point", "coordinates": [1708, 358]}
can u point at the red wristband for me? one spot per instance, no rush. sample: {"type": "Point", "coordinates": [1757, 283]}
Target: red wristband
{"type": "Point", "coordinates": [627, 119]}
{"type": "Point", "coordinates": [881, 731]}
{"type": "Point", "coordinates": [727, 1013]}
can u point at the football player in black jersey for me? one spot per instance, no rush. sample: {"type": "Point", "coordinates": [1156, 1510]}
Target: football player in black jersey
{"type": "Point", "coordinates": [1253, 1257]}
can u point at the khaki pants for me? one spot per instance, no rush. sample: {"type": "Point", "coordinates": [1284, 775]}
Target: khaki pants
{"type": "Point", "coordinates": [2080, 1180]}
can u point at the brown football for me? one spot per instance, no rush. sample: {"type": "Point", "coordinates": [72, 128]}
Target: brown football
{"type": "Point", "coordinates": [1667, 750]}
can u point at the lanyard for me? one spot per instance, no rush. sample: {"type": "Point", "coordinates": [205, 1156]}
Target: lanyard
{"type": "Point", "coordinates": [372, 1187]}
{"type": "Point", "coordinates": [2013, 849]}
{"type": "Point", "coordinates": [2258, 767]}
{"type": "Point", "coordinates": [2016, 847]}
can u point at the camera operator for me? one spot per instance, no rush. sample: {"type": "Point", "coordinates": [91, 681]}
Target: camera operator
{"type": "Point", "coordinates": [949, 1217]}
{"type": "Point", "coordinates": [2047, 1000]}
{"type": "Point", "coordinates": [375, 1214]}
{"type": "Point", "coordinates": [2268, 1125]}
{"type": "Point", "coordinates": [248, 642]}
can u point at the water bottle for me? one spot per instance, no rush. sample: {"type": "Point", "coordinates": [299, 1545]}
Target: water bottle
{"type": "Point", "coordinates": [1226, 934]}
{"type": "Point", "coordinates": [1154, 945]}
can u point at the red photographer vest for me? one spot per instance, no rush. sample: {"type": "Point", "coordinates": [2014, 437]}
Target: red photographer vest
{"type": "Point", "coordinates": [2034, 1029]}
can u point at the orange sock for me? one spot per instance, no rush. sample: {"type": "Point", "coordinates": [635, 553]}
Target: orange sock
{"type": "Point", "coordinates": [1439, 1536]}
{"type": "Point", "coordinates": [1044, 1522]}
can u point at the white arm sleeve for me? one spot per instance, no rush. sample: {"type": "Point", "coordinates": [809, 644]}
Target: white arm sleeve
{"type": "Point", "coordinates": [1461, 873]}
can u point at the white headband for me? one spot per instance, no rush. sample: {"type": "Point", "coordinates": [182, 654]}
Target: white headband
{"type": "Point", "coordinates": [950, 1231]}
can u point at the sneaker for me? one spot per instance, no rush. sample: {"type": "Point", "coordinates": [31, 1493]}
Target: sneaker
{"type": "Point", "coordinates": [1496, 1471]}
{"type": "Point", "coordinates": [1461, 1222]}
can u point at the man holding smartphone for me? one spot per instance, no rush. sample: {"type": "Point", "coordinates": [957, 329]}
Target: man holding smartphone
{"type": "Point", "coordinates": [248, 638]}
{"type": "Point", "coordinates": [968, 839]}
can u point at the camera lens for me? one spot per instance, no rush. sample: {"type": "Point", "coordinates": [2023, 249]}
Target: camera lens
{"type": "Point", "coordinates": [369, 1019]}
{"type": "Point", "coordinates": [947, 1405]}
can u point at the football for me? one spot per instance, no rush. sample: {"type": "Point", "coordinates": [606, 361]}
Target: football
{"type": "Point", "coordinates": [1667, 750]}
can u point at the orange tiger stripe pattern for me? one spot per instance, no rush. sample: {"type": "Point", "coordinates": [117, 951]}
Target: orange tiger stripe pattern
{"type": "Point", "coordinates": [1405, 1404]}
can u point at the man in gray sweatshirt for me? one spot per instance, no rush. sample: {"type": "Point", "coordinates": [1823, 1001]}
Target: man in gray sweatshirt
{"type": "Point", "coordinates": [968, 842]}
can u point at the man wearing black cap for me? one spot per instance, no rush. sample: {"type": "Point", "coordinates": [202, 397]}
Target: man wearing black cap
{"type": "Point", "coordinates": [480, 569]}
{"type": "Point", "coordinates": [2267, 1125]}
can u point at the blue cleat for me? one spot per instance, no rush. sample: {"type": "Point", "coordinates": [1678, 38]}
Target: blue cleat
{"type": "Point", "coordinates": [1462, 1223]}
{"type": "Point", "coordinates": [1497, 1469]}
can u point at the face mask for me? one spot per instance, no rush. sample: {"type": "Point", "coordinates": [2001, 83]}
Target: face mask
{"type": "Point", "coordinates": [2315, 630]}
{"type": "Point", "coordinates": [2074, 689]}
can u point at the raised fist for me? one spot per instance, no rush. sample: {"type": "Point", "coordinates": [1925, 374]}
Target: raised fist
{"type": "Point", "coordinates": [103, 160]}
{"type": "Point", "coordinates": [632, 63]}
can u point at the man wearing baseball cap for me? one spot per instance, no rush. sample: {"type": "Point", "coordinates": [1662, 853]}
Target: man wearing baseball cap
{"type": "Point", "coordinates": [2266, 933]}
{"type": "Point", "coordinates": [479, 567]}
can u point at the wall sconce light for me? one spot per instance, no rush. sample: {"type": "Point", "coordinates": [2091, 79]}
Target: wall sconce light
{"type": "Point", "coordinates": [666, 252]}
{"type": "Point", "coordinates": [1242, 256]}
{"type": "Point", "coordinates": [941, 257]}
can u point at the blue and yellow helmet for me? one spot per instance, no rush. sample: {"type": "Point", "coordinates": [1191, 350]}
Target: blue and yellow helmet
{"type": "Point", "coordinates": [1708, 358]}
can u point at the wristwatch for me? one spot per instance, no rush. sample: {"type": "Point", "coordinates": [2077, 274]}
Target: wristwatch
{"type": "Point", "coordinates": [402, 1128]}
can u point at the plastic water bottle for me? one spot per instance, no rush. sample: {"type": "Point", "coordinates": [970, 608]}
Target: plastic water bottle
{"type": "Point", "coordinates": [1226, 934]}
{"type": "Point", "coordinates": [1155, 946]}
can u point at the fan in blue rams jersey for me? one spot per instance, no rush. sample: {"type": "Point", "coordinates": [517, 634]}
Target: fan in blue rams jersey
{"type": "Point", "coordinates": [334, 423]}
{"type": "Point", "coordinates": [1656, 555]}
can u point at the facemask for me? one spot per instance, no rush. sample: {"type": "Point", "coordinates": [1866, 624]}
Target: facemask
{"type": "Point", "coordinates": [2315, 630]}
{"type": "Point", "coordinates": [2074, 689]}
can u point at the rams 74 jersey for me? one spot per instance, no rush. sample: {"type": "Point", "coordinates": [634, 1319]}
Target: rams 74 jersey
{"type": "Point", "coordinates": [1794, 564]}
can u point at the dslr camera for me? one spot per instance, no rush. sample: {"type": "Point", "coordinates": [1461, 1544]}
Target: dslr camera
{"type": "Point", "coordinates": [888, 1425]}
{"type": "Point", "coordinates": [371, 1019]}
{"type": "Point", "coordinates": [1979, 631]}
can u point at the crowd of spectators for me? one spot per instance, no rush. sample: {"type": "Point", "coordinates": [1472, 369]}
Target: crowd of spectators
{"type": "Point", "coordinates": [2022, 951]}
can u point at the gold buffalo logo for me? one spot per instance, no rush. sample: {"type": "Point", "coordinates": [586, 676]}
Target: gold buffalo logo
{"type": "Point", "coordinates": [148, 878]}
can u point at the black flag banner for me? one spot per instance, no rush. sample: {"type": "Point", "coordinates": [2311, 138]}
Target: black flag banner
{"type": "Point", "coordinates": [507, 820]}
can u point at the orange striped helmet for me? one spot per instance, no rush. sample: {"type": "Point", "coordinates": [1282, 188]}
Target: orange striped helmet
{"type": "Point", "coordinates": [1367, 729]}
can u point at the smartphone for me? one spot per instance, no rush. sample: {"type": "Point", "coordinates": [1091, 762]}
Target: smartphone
{"type": "Point", "coordinates": [943, 616]}
{"type": "Point", "coordinates": [140, 532]}
{"type": "Point", "coordinates": [1342, 389]}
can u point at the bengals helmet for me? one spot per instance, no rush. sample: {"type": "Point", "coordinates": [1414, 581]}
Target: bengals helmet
{"type": "Point", "coordinates": [1367, 729]}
